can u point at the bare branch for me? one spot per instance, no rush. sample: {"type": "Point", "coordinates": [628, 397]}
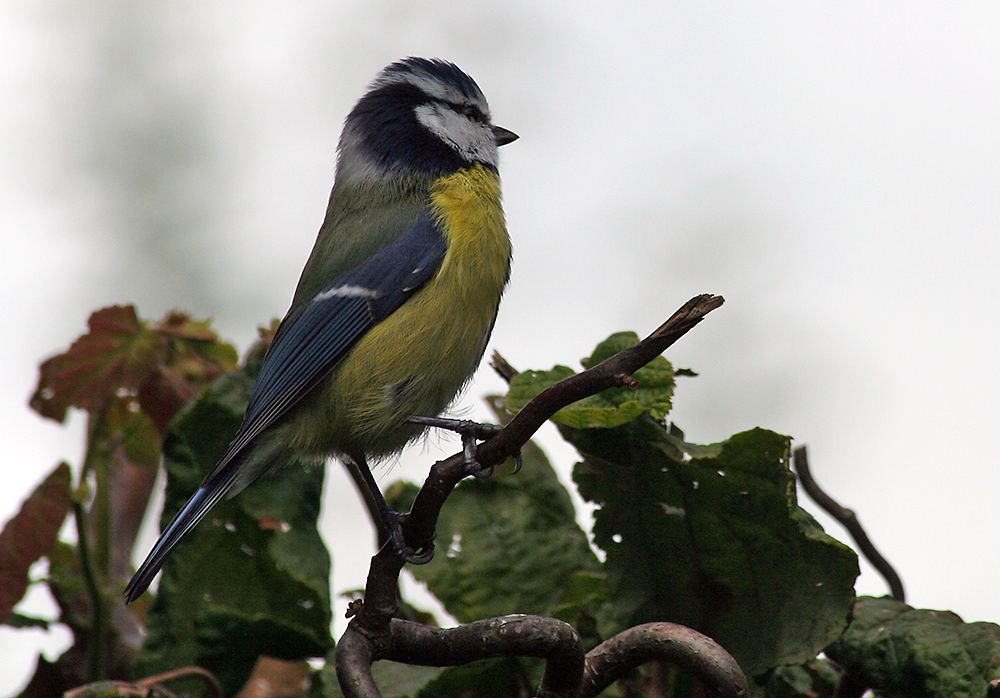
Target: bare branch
{"type": "Point", "coordinates": [507, 636]}
{"type": "Point", "coordinates": [374, 634]}
{"type": "Point", "coordinates": [517, 635]}
{"type": "Point", "coordinates": [502, 368]}
{"type": "Point", "coordinates": [849, 520]}
{"type": "Point", "coordinates": [677, 644]}
{"type": "Point", "coordinates": [611, 373]}
{"type": "Point", "coordinates": [354, 664]}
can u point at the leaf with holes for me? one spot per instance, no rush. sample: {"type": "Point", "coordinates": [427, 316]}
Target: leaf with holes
{"type": "Point", "coordinates": [712, 538]}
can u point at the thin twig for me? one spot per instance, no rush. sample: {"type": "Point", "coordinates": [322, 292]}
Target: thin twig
{"type": "Point", "coordinates": [502, 368]}
{"type": "Point", "coordinates": [188, 672]}
{"type": "Point", "coordinates": [849, 520]}
{"type": "Point", "coordinates": [95, 640]}
{"type": "Point", "coordinates": [149, 686]}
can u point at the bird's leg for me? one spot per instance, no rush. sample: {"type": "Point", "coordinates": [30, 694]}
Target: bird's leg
{"type": "Point", "coordinates": [471, 432]}
{"type": "Point", "coordinates": [390, 519]}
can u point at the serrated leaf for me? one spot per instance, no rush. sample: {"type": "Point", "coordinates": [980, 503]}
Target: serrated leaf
{"type": "Point", "coordinates": [193, 358]}
{"type": "Point", "coordinates": [163, 366]}
{"type": "Point", "coordinates": [507, 544]}
{"type": "Point", "coordinates": [254, 569]}
{"type": "Point", "coordinates": [31, 534]}
{"type": "Point", "coordinates": [899, 650]}
{"type": "Point", "coordinates": [610, 408]}
{"type": "Point", "coordinates": [115, 355]}
{"type": "Point", "coordinates": [715, 543]}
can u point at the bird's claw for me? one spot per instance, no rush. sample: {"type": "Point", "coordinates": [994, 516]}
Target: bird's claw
{"type": "Point", "coordinates": [420, 556]}
{"type": "Point", "coordinates": [471, 433]}
{"type": "Point", "coordinates": [518, 462]}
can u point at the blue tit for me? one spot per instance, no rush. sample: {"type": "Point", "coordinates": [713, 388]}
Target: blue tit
{"type": "Point", "coordinates": [396, 303]}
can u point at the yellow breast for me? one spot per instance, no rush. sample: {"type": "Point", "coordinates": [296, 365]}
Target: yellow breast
{"type": "Point", "coordinates": [468, 207]}
{"type": "Point", "coordinates": [415, 361]}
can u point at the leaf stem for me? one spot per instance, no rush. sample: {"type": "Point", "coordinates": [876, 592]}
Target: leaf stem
{"type": "Point", "coordinates": [95, 639]}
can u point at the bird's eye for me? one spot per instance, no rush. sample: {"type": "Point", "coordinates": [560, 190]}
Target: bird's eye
{"type": "Point", "coordinates": [472, 114]}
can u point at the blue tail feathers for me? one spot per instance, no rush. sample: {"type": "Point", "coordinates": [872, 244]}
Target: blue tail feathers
{"type": "Point", "coordinates": [187, 518]}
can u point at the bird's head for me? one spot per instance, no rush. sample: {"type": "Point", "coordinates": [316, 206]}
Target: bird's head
{"type": "Point", "coordinates": [419, 115]}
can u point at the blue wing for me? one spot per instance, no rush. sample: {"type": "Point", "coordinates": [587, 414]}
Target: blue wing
{"type": "Point", "coordinates": [314, 336]}
{"type": "Point", "coordinates": [317, 334]}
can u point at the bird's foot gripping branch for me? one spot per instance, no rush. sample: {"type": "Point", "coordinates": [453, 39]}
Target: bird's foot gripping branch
{"type": "Point", "coordinates": [614, 372]}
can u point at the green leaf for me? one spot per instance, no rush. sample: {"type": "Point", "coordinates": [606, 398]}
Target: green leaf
{"type": "Point", "coordinates": [507, 544]}
{"type": "Point", "coordinates": [610, 408]}
{"type": "Point", "coordinates": [69, 588]}
{"type": "Point", "coordinates": [253, 577]}
{"type": "Point", "coordinates": [814, 679]}
{"type": "Point", "coordinates": [580, 604]}
{"type": "Point", "coordinates": [712, 538]}
{"type": "Point", "coordinates": [128, 427]}
{"type": "Point", "coordinates": [899, 650]}
{"type": "Point", "coordinates": [31, 534]}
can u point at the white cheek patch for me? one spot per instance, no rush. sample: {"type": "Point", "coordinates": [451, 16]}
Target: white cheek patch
{"type": "Point", "coordinates": [473, 141]}
{"type": "Point", "coordinates": [346, 291]}
{"type": "Point", "coordinates": [433, 119]}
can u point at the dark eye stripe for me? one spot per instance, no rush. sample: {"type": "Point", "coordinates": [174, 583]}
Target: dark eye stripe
{"type": "Point", "coordinates": [471, 111]}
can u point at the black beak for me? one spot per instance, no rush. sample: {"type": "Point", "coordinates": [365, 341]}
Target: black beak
{"type": "Point", "coordinates": [503, 136]}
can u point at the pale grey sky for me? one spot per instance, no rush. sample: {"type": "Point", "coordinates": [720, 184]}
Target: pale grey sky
{"type": "Point", "coordinates": [832, 169]}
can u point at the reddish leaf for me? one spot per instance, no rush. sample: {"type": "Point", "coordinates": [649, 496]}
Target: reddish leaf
{"type": "Point", "coordinates": [31, 534]}
{"type": "Point", "coordinates": [180, 325]}
{"type": "Point", "coordinates": [116, 354]}
{"type": "Point", "coordinates": [193, 359]}
{"type": "Point", "coordinates": [167, 391]}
